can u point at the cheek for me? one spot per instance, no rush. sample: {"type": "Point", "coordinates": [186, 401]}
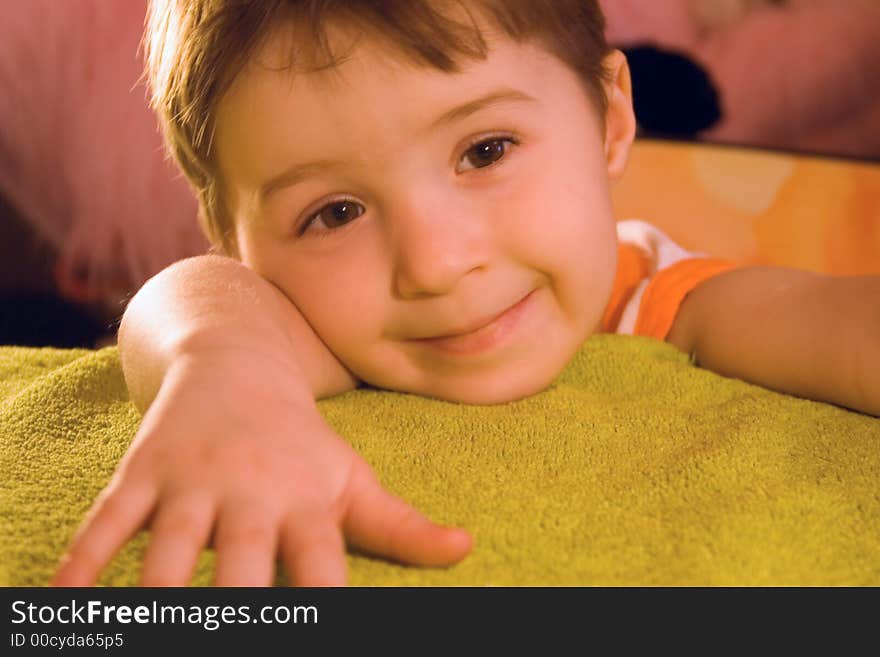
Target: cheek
{"type": "Point", "coordinates": [338, 292]}
{"type": "Point", "coordinates": [562, 218]}
{"type": "Point", "coordinates": [567, 232]}
{"type": "Point", "coordinates": [335, 289]}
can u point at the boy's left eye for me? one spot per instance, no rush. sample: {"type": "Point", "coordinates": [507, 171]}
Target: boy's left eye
{"type": "Point", "coordinates": [485, 153]}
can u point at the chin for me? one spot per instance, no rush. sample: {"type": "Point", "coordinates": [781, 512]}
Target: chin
{"type": "Point", "coordinates": [498, 389]}
{"type": "Point", "coordinates": [502, 395]}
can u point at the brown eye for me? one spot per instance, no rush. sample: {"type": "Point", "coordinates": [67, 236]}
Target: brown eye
{"type": "Point", "coordinates": [485, 153]}
{"type": "Point", "coordinates": [338, 214]}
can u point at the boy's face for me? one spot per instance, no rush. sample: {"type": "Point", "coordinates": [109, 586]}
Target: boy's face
{"type": "Point", "coordinates": [449, 235]}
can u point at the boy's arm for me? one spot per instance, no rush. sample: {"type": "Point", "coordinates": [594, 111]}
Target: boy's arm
{"type": "Point", "coordinates": [232, 448]}
{"type": "Point", "coordinates": [801, 333]}
{"type": "Point", "coordinates": [215, 303]}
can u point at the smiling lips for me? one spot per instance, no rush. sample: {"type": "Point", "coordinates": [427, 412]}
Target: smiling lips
{"type": "Point", "coordinates": [483, 336]}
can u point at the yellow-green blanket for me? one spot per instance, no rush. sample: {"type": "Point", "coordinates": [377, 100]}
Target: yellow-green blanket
{"type": "Point", "coordinates": [635, 468]}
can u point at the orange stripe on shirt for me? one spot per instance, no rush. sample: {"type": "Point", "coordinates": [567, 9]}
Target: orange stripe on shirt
{"type": "Point", "coordinates": [633, 266]}
{"type": "Point", "coordinates": [664, 293]}
{"type": "Point", "coordinates": [668, 288]}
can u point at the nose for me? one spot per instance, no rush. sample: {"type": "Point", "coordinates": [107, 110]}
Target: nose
{"type": "Point", "coordinates": [435, 246]}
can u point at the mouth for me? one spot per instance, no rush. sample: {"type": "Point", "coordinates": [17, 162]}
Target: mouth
{"type": "Point", "coordinates": [483, 335]}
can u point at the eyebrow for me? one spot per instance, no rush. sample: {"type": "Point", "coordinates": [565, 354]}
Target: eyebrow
{"type": "Point", "coordinates": [464, 110]}
{"type": "Point", "coordinates": [297, 173]}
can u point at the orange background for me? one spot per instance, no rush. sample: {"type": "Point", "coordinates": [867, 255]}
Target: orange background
{"type": "Point", "coordinates": [757, 207]}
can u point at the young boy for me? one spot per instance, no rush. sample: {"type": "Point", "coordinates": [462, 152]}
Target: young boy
{"type": "Point", "coordinates": [418, 195]}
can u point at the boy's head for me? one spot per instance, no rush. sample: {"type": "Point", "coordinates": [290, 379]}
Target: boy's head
{"type": "Point", "coordinates": [407, 171]}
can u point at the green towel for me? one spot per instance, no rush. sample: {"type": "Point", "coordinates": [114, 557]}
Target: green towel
{"type": "Point", "coordinates": [634, 468]}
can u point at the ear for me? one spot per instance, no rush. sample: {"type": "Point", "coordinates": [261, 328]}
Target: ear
{"type": "Point", "coordinates": [620, 120]}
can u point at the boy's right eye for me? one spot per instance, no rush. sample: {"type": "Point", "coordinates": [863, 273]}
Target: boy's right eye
{"type": "Point", "coordinates": [333, 215]}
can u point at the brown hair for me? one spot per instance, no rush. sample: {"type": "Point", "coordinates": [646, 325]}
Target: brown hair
{"type": "Point", "coordinates": [195, 49]}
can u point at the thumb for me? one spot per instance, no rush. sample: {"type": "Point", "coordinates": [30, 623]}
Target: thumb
{"type": "Point", "coordinates": [384, 525]}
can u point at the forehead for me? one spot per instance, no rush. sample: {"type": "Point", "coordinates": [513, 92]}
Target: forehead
{"type": "Point", "coordinates": [346, 51]}
{"type": "Point", "coordinates": [341, 48]}
{"type": "Point", "coordinates": [372, 100]}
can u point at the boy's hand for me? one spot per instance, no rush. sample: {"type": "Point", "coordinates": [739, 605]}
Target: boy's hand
{"type": "Point", "coordinates": [237, 457]}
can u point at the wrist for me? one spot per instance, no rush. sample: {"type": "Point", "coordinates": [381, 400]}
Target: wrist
{"type": "Point", "coordinates": [244, 370]}
{"type": "Point", "coordinates": [212, 357]}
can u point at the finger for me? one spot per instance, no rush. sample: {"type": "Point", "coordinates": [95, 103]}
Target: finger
{"type": "Point", "coordinates": [116, 515]}
{"type": "Point", "coordinates": [246, 542]}
{"type": "Point", "coordinates": [313, 552]}
{"type": "Point", "coordinates": [180, 528]}
{"type": "Point", "coordinates": [385, 525]}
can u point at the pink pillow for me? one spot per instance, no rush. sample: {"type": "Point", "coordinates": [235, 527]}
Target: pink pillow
{"type": "Point", "coordinates": [799, 75]}
{"type": "Point", "coordinates": [80, 154]}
